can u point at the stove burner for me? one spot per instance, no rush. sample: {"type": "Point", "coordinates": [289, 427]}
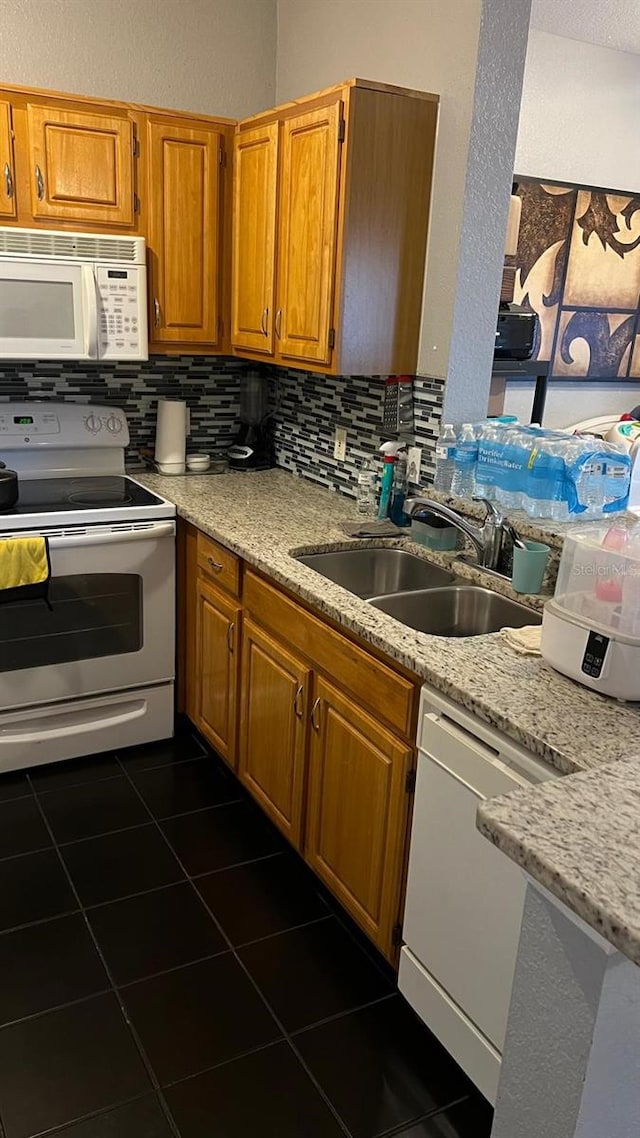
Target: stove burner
{"type": "Point", "coordinates": [99, 498]}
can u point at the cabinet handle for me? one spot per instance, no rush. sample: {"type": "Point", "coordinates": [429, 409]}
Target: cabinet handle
{"type": "Point", "coordinates": [263, 321]}
{"type": "Point", "coordinates": [315, 715]}
{"type": "Point", "coordinates": [39, 184]}
{"type": "Point", "coordinates": [8, 180]}
{"type": "Point", "coordinates": [215, 565]}
{"type": "Point", "coordinates": [278, 324]}
{"type": "Point", "coordinates": [230, 635]}
{"type": "Point", "coordinates": [297, 701]}
{"type": "Point", "coordinates": [157, 315]}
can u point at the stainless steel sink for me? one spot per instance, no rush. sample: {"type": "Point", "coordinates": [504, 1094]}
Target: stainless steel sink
{"type": "Point", "coordinates": [372, 572]}
{"type": "Point", "coordinates": [459, 610]}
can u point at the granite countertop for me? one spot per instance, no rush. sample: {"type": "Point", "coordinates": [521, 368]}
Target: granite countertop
{"type": "Point", "coordinates": [580, 838]}
{"type": "Point", "coordinates": [268, 517]}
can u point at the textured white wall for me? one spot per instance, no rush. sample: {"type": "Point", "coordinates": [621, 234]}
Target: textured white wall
{"type": "Point", "coordinates": [212, 56]}
{"type": "Point", "coordinates": [569, 403]}
{"type": "Point", "coordinates": [580, 113]}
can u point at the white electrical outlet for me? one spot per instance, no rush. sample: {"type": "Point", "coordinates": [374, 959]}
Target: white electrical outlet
{"type": "Point", "coordinates": [340, 444]}
{"type": "Point", "coordinates": [414, 462]}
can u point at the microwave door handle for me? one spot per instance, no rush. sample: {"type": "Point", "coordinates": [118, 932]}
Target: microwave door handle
{"type": "Point", "coordinates": [90, 305]}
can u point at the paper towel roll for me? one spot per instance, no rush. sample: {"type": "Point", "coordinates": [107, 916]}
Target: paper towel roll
{"type": "Point", "coordinates": [171, 433]}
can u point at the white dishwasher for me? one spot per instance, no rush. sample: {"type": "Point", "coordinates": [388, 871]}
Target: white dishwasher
{"type": "Point", "coordinates": [464, 898]}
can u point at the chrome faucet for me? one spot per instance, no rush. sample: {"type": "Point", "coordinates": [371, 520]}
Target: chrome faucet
{"type": "Point", "coordinates": [486, 538]}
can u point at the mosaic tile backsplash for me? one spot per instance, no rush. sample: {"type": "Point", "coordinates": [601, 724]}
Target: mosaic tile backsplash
{"type": "Point", "coordinates": [307, 407]}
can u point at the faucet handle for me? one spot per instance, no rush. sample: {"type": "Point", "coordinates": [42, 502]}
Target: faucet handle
{"type": "Point", "coordinates": [493, 511]}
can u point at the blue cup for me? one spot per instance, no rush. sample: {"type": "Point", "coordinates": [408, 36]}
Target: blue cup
{"type": "Point", "coordinates": [529, 565]}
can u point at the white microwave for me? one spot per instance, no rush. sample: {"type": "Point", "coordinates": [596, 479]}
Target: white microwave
{"type": "Point", "coordinates": [72, 296]}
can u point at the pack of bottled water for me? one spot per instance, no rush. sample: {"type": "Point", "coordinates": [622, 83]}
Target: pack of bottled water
{"type": "Point", "coordinates": [548, 474]}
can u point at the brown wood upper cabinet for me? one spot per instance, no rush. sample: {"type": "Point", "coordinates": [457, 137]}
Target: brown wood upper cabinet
{"type": "Point", "coordinates": [185, 198]}
{"type": "Point", "coordinates": [350, 218]}
{"type": "Point", "coordinates": [81, 164]}
{"type": "Point", "coordinates": [254, 238]}
{"type": "Point", "coordinates": [8, 206]}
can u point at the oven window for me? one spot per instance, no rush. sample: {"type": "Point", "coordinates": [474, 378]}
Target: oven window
{"type": "Point", "coordinates": [93, 614]}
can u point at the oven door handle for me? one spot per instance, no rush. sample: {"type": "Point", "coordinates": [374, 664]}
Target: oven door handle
{"type": "Point", "coordinates": [77, 541]}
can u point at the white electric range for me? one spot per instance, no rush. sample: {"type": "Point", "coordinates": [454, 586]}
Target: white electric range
{"type": "Point", "coordinates": [94, 672]}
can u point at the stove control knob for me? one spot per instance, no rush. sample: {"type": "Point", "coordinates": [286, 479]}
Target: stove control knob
{"type": "Point", "coordinates": [114, 425]}
{"type": "Point", "coordinates": [93, 424]}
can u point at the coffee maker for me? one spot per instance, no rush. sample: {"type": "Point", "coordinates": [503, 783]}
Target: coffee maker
{"type": "Point", "coordinates": [253, 446]}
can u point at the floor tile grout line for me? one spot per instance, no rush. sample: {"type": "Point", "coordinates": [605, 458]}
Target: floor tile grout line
{"type": "Point", "coordinates": [123, 1010]}
{"type": "Point", "coordinates": [57, 1007]}
{"type": "Point", "coordinates": [297, 1031]}
{"type": "Point", "coordinates": [53, 1130]}
{"type": "Point", "coordinates": [41, 921]}
{"type": "Point", "coordinates": [25, 853]}
{"type": "Point", "coordinates": [41, 791]}
{"type": "Point", "coordinates": [125, 829]}
{"type": "Point", "coordinates": [261, 995]}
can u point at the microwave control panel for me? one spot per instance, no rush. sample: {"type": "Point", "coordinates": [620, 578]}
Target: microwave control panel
{"type": "Point", "coordinates": [122, 311]}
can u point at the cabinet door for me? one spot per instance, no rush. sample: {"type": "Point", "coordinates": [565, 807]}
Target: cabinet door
{"type": "Point", "coordinates": [7, 170]}
{"type": "Point", "coordinates": [184, 229]}
{"type": "Point", "coordinates": [275, 690]}
{"type": "Point", "coordinates": [307, 234]}
{"type": "Point", "coordinates": [217, 637]}
{"type": "Point", "coordinates": [357, 811]}
{"type": "Point", "coordinates": [255, 172]}
{"type": "Point", "coordinates": [81, 165]}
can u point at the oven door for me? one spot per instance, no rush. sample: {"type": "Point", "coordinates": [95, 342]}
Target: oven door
{"type": "Point", "coordinates": [111, 625]}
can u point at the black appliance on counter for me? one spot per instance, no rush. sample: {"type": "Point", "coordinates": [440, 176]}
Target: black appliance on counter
{"type": "Point", "coordinates": [516, 333]}
{"type": "Point", "coordinates": [253, 447]}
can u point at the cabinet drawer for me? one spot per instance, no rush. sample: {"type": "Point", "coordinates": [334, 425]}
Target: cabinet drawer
{"type": "Point", "coordinates": [373, 684]}
{"type": "Point", "coordinates": [219, 564]}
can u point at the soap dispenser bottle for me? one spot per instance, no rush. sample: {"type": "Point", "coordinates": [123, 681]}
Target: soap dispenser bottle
{"type": "Point", "coordinates": [399, 491]}
{"type": "Point", "coordinates": [390, 453]}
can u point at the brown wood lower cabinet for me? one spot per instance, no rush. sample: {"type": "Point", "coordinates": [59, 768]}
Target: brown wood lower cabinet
{"type": "Point", "coordinates": [357, 811]}
{"type": "Point", "coordinates": [319, 729]}
{"type": "Point", "coordinates": [217, 658]}
{"type": "Point", "coordinates": [273, 729]}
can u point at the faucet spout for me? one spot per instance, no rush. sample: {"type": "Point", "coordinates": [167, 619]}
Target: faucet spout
{"type": "Point", "coordinates": [487, 538]}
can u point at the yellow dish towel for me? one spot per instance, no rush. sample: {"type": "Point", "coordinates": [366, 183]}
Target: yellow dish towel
{"type": "Point", "coordinates": [24, 564]}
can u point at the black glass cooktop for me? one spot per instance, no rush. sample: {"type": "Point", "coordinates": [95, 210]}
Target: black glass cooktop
{"type": "Point", "coordinates": [50, 495]}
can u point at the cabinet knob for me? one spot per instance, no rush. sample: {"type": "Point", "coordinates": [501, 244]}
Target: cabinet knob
{"type": "Point", "coordinates": [263, 321]}
{"type": "Point", "coordinates": [157, 314]}
{"type": "Point", "coordinates": [8, 180]}
{"type": "Point", "coordinates": [278, 323]}
{"type": "Point", "coordinates": [39, 184]}
{"type": "Point", "coordinates": [315, 715]}
{"type": "Point", "coordinates": [297, 701]}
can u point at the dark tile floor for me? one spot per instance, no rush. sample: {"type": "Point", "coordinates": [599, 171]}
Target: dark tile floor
{"type": "Point", "coordinates": [169, 967]}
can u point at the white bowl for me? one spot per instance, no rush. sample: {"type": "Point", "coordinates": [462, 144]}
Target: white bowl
{"type": "Point", "coordinates": [198, 461]}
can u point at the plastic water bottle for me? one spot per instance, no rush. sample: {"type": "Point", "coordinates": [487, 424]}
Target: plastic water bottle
{"type": "Point", "coordinates": [366, 489]}
{"type": "Point", "coordinates": [489, 451]}
{"type": "Point", "coordinates": [511, 486]}
{"type": "Point", "coordinates": [463, 483]}
{"type": "Point", "coordinates": [445, 451]}
{"type": "Point", "coordinates": [617, 473]}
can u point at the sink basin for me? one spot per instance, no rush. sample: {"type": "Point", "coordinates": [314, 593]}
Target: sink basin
{"type": "Point", "coordinates": [373, 572]}
{"type": "Point", "coordinates": [459, 610]}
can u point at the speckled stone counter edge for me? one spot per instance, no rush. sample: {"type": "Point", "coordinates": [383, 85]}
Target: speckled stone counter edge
{"type": "Point", "coordinates": [579, 837]}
